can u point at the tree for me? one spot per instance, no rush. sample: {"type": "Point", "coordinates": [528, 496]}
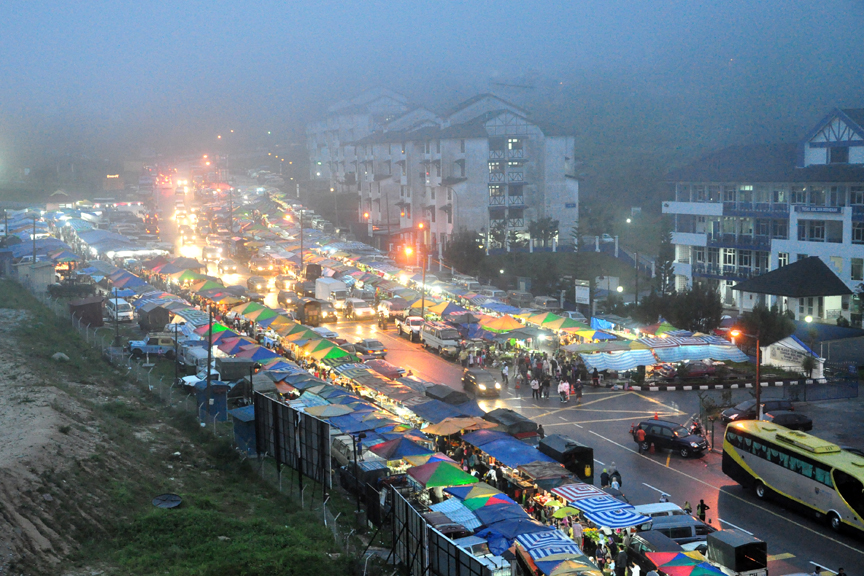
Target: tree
{"type": "Point", "coordinates": [666, 261]}
{"type": "Point", "coordinates": [544, 229]}
{"type": "Point", "coordinates": [464, 252]}
{"type": "Point", "coordinates": [808, 364]}
{"type": "Point", "coordinates": [698, 309]}
{"type": "Point", "coordinates": [770, 325]}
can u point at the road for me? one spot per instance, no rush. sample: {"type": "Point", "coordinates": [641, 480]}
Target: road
{"type": "Point", "coordinates": [603, 421]}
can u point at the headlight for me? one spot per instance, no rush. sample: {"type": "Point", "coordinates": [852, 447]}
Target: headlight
{"type": "Point", "coordinates": [481, 386]}
{"type": "Point", "coordinates": [694, 444]}
{"type": "Point", "coordinates": [733, 416]}
{"type": "Point", "coordinates": [219, 250]}
{"type": "Point", "coordinates": [497, 385]}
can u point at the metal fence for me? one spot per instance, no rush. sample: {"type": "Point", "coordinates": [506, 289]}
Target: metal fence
{"type": "Point", "coordinates": [834, 390]}
{"type": "Point", "coordinates": [410, 536]}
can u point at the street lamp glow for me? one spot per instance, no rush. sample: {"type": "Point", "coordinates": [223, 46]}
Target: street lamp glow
{"type": "Point", "coordinates": [409, 251]}
{"type": "Point", "coordinates": [629, 220]}
{"type": "Point", "coordinates": [620, 289]}
{"type": "Point", "coordinates": [808, 319]}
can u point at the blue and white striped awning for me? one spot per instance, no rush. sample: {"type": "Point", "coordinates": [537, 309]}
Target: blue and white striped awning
{"type": "Point", "coordinates": [458, 513]}
{"type": "Point", "coordinates": [616, 518]}
{"type": "Point", "coordinates": [600, 504]}
{"type": "Point", "coordinates": [538, 553]}
{"type": "Point", "coordinates": [626, 360]}
{"type": "Point", "coordinates": [551, 537]}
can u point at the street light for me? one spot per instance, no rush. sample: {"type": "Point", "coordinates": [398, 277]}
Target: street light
{"type": "Point", "coordinates": [735, 333]}
{"type": "Point", "coordinates": [408, 252]}
{"type": "Point", "coordinates": [620, 289]}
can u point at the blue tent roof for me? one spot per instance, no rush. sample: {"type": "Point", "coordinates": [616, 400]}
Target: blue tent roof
{"type": "Point", "coordinates": [481, 437]}
{"type": "Point", "coordinates": [499, 512]}
{"type": "Point", "coordinates": [244, 414]}
{"type": "Point", "coordinates": [509, 529]}
{"type": "Point", "coordinates": [435, 411]}
{"type": "Point", "coordinates": [514, 453]}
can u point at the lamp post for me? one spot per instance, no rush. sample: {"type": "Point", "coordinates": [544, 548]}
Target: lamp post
{"type": "Point", "coordinates": [356, 438]}
{"type": "Point", "coordinates": [735, 333]}
{"type": "Point", "coordinates": [408, 252]}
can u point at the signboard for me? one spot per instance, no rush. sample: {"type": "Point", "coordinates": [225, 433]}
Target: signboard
{"type": "Point", "coordinates": [570, 205]}
{"type": "Point", "coordinates": [583, 291]}
{"type": "Point", "coordinates": [819, 209]}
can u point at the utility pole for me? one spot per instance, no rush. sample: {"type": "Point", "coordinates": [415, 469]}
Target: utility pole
{"type": "Point", "coordinates": [301, 240]}
{"type": "Point", "coordinates": [176, 355]}
{"type": "Point", "coordinates": [637, 278]}
{"type": "Point", "coordinates": [209, 358]}
{"type": "Point", "coordinates": [231, 210]}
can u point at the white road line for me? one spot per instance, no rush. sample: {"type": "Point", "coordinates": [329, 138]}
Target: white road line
{"type": "Point", "coordinates": [600, 463]}
{"type": "Point", "coordinates": [655, 489]}
{"type": "Point", "coordinates": [703, 482]}
{"type": "Point", "coordinates": [562, 418]}
{"type": "Point", "coordinates": [577, 425]}
{"type": "Point", "coordinates": [734, 526]}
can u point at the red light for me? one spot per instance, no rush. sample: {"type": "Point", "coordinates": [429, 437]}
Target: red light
{"type": "Point", "coordinates": [735, 333]}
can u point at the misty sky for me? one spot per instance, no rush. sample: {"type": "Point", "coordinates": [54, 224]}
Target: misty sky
{"type": "Point", "coordinates": [173, 72]}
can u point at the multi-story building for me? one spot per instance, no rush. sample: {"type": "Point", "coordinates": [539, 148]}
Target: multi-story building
{"type": "Point", "coordinates": [484, 166]}
{"type": "Point", "coordinates": [749, 209]}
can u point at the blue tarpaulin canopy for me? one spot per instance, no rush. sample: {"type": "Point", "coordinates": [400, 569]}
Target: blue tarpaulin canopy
{"type": "Point", "coordinates": [489, 515]}
{"type": "Point", "coordinates": [481, 437]}
{"type": "Point", "coordinates": [619, 360]}
{"type": "Point", "coordinates": [514, 453]}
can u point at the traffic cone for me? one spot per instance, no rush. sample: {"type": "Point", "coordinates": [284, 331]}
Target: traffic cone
{"type": "Point", "coordinates": [656, 417]}
{"type": "Point", "coordinates": [651, 449]}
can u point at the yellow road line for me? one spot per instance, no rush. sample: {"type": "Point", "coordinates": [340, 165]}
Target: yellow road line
{"type": "Point", "coordinates": [783, 556]}
{"type": "Point", "coordinates": [668, 457]}
{"type": "Point", "coordinates": [740, 499]}
{"type": "Point", "coordinates": [629, 418]}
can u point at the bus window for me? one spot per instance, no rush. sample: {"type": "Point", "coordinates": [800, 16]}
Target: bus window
{"type": "Point", "coordinates": [851, 489]}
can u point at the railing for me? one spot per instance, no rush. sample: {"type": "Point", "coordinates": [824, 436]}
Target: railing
{"type": "Point", "coordinates": [515, 177]}
{"type": "Point", "coordinates": [496, 154]}
{"type": "Point", "coordinates": [515, 200]}
{"type": "Point", "coordinates": [725, 271]}
{"type": "Point", "coordinates": [754, 208]}
{"type": "Point", "coordinates": [516, 153]}
{"type": "Point", "coordinates": [745, 241]}
{"type": "Point", "coordinates": [496, 177]}
{"type": "Point", "coordinates": [496, 200]}
{"type": "Point", "coordinates": [515, 222]}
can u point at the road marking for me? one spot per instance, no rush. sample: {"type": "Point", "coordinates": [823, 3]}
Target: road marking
{"type": "Point", "coordinates": [740, 499]}
{"type": "Point", "coordinates": [781, 556]}
{"type": "Point", "coordinates": [600, 463]}
{"type": "Point", "coordinates": [598, 421]}
{"type": "Point", "coordinates": [577, 425]}
{"type": "Point", "coordinates": [734, 526]}
{"type": "Point", "coordinates": [822, 567]}
{"type": "Point", "coordinates": [668, 457]}
{"type": "Point", "coordinates": [655, 489]}
{"type": "Point", "coordinates": [562, 418]}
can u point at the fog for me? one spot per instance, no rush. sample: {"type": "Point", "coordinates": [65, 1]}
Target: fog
{"type": "Point", "coordinates": [105, 80]}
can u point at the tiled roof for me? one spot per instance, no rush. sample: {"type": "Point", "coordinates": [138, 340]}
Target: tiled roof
{"type": "Point", "coordinates": [807, 278]}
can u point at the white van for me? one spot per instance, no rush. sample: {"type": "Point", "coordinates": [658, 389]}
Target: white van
{"type": "Point", "coordinates": [660, 509]}
{"type": "Point", "coordinates": [119, 309]}
{"type": "Point", "coordinates": [194, 359]}
{"type": "Point", "coordinates": [546, 304]}
{"type": "Point", "coordinates": [437, 335]}
{"type": "Point", "coordinates": [495, 293]}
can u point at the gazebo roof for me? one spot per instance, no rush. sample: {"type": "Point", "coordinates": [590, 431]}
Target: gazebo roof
{"type": "Point", "coordinates": [807, 278]}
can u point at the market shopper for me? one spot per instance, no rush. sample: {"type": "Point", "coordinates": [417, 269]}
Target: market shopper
{"type": "Point", "coordinates": [577, 389]}
{"type": "Point", "coordinates": [701, 508]}
{"type": "Point", "coordinates": [535, 388]}
{"type": "Point", "coordinates": [505, 374]}
{"type": "Point", "coordinates": [564, 390]}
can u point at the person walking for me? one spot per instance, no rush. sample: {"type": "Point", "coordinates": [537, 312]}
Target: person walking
{"type": "Point", "coordinates": [505, 374]}
{"type": "Point", "coordinates": [472, 461]}
{"type": "Point", "coordinates": [701, 508]}
{"type": "Point", "coordinates": [615, 475]}
{"type": "Point", "coordinates": [535, 389]}
{"type": "Point", "coordinates": [564, 390]}
{"type": "Point", "coordinates": [595, 378]}
{"type": "Point", "coordinates": [621, 563]}
{"type": "Point", "coordinates": [687, 508]}
{"type": "Point", "coordinates": [541, 432]}
{"type": "Point", "coordinates": [604, 478]}
{"type": "Point", "coordinates": [545, 385]}
{"type": "Point", "coordinates": [578, 390]}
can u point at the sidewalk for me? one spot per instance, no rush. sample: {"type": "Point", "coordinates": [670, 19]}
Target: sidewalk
{"type": "Point", "coordinates": [837, 421]}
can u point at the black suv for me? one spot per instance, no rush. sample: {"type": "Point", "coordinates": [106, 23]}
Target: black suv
{"type": "Point", "coordinates": [481, 382]}
{"type": "Point", "coordinates": [663, 434]}
{"type": "Point", "coordinates": [747, 410]}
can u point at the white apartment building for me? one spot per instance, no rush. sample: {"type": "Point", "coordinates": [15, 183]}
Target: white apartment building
{"type": "Point", "coordinates": [747, 210]}
{"type": "Point", "coordinates": [484, 166]}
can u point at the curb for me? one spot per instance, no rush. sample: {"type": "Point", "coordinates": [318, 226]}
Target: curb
{"type": "Point", "coordinates": [724, 386]}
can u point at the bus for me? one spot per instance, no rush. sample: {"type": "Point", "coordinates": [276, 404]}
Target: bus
{"type": "Point", "coordinates": [798, 467]}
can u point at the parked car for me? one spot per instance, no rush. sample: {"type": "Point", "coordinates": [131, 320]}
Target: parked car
{"type": "Point", "coordinates": [371, 347]}
{"type": "Point", "coordinates": [689, 370]}
{"type": "Point", "coordinates": [358, 309]}
{"type": "Point", "coordinates": [670, 435]}
{"type": "Point", "coordinates": [160, 344]}
{"type": "Point", "coordinates": [260, 266]}
{"type": "Point", "coordinates": [682, 529]}
{"type": "Point", "coordinates": [352, 348]}
{"type": "Point", "coordinates": [410, 326]}
{"type": "Point", "coordinates": [791, 420]}
{"type": "Point", "coordinates": [257, 284]}
{"type": "Point", "coordinates": [227, 266]}
{"type": "Point", "coordinates": [480, 382]}
{"type": "Point", "coordinates": [660, 509]}
{"type": "Point", "coordinates": [747, 410]}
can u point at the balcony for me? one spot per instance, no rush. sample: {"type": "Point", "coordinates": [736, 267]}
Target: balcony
{"type": "Point", "coordinates": [515, 222]}
{"type": "Point", "coordinates": [496, 154]}
{"type": "Point", "coordinates": [755, 209]}
{"type": "Point", "coordinates": [727, 272]}
{"type": "Point", "coordinates": [689, 239]}
{"type": "Point", "coordinates": [516, 200]}
{"type": "Point", "coordinates": [496, 177]}
{"type": "Point", "coordinates": [741, 241]}
{"type": "Point", "coordinates": [496, 200]}
{"type": "Point", "coordinates": [515, 176]}
{"type": "Point", "coordinates": [695, 208]}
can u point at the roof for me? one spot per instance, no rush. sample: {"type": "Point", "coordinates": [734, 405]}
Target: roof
{"type": "Point", "coordinates": [478, 98]}
{"type": "Point", "coordinates": [244, 414]}
{"type": "Point", "coordinates": [856, 115]}
{"type": "Point", "coordinates": [763, 163]}
{"type": "Point", "coordinates": [805, 278]}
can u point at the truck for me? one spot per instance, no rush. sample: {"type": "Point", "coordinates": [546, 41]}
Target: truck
{"type": "Point", "coordinates": [194, 359]}
{"type": "Point", "coordinates": [331, 290]}
{"type": "Point", "coordinates": [231, 369]}
{"type": "Point", "coordinates": [737, 553]}
{"type": "Point", "coordinates": [156, 343]}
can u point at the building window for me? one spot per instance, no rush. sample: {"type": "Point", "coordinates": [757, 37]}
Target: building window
{"type": "Point", "coordinates": [713, 256]}
{"type": "Point", "coordinates": [763, 227]}
{"type": "Point", "coordinates": [857, 268]}
{"type": "Point", "coordinates": [449, 195]}
{"type": "Point", "coordinates": [838, 155]}
{"type": "Point", "coordinates": [432, 194]}
{"type": "Point", "coordinates": [745, 258]}
{"type": "Point", "coordinates": [438, 170]}
{"type": "Point", "coordinates": [816, 231]}
{"type": "Point", "coordinates": [782, 259]}
{"type": "Point", "coordinates": [462, 146]}
{"type": "Point", "coordinates": [779, 197]}
{"type": "Point", "coordinates": [799, 257]}
{"type": "Point", "coordinates": [817, 196]}
{"type": "Point", "coordinates": [403, 147]}
{"type": "Point", "coordinates": [799, 195]}
{"type": "Point", "coordinates": [390, 148]}
{"type": "Point", "coordinates": [683, 193]}
{"type": "Point", "coordinates": [837, 196]}
{"type": "Point", "coordinates": [432, 215]}
{"type": "Point", "coordinates": [837, 262]}
{"type": "Point", "coordinates": [729, 193]}
{"type": "Point", "coordinates": [698, 254]}
{"type": "Point", "coordinates": [856, 195]}
{"type": "Point", "coordinates": [729, 257]}
{"type": "Point", "coordinates": [780, 229]}
{"type": "Point", "coordinates": [408, 211]}
{"type": "Point", "coordinates": [858, 232]}
{"type": "Point", "coordinates": [438, 146]}
{"type": "Point", "coordinates": [450, 216]}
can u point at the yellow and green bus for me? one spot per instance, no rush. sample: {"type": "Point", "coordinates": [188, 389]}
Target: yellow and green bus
{"type": "Point", "coordinates": [792, 465]}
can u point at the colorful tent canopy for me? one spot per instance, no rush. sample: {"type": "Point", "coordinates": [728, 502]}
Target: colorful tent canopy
{"type": "Point", "coordinates": [247, 307]}
{"type": "Point", "coordinates": [619, 360]}
{"type": "Point", "coordinates": [465, 492]}
{"type": "Point", "coordinates": [659, 328]}
{"type": "Point", "coordinates": [261, 314]}
{"type": "Point", "coordinates": [489, 500]}
{"type": "Point", "coordinates": [450, 426]}
{"type": "Point", "coordinates": [543, 318]}
{"type": "Point", "coordinates": [566, 325]}
{"type": "Point", "coordinates": [217, 327]}
{"type": "Point", "coordinates": [261, 353]}
{"type": "Point", "coordinates": [616, 518]}
{"type": "Point", "coordinates": [502, 324]}
{"type": "Point", "coordinates": [572, 492]}
{"type": "Point", "coordinates": [329, 411]}
{"type": "Point", "coordinates": [427, 458]}
{"type": "Point", "coordinates": [205, 284]}
{"type": "Point", "coordinates": [436, 474]}
{"type": "Point", "coordinates": [399, 448]}
{"type": "Point", "coordinates": [232, 346]}
{"type": "Point", "coordinates": [594, 335]}
{"type": "Point", "coordinates": [445, 308]}
{"type": "Point", "coordinates": [187, 276]}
